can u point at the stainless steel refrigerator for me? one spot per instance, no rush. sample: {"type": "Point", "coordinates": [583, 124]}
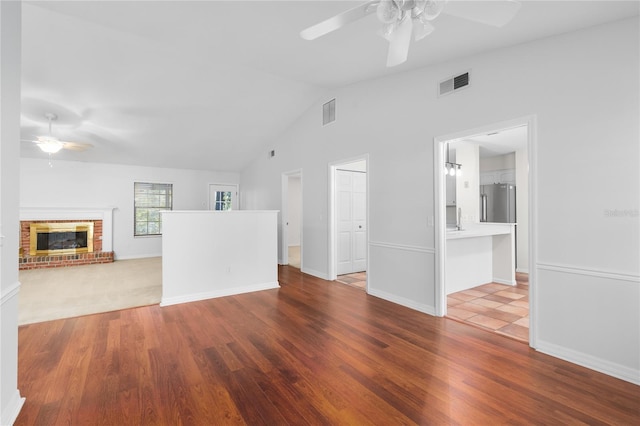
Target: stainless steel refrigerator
{"type": "Point", "coordinates": [498, 203]}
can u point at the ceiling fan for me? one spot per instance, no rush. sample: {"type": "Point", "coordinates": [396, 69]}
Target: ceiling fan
{"type": "Point", "coordinates": [402, 19]}
{"type": "Point", "coordinates": [51, 144]}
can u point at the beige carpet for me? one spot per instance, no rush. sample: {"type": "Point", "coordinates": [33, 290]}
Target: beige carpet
{"type": "Point", "coordinates": [48, 294]}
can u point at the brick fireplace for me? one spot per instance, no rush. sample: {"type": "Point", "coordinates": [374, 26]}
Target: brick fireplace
{"type": "Point", "coordinates": [67, 237]}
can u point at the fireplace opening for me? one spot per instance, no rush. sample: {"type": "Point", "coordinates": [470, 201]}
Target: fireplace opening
{"type": "Point", "coordinates": [60, 238]}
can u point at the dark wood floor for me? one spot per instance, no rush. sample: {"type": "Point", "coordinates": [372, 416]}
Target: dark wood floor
{"type": "Point", "coordinates": [311, 352]}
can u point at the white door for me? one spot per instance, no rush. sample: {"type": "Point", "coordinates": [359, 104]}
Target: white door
{"type": "Point", "coordinates": [351, 208]}
{"type": "Point", "coordinates": [223, 197]}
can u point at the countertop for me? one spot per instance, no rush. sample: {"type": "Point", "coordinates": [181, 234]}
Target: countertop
{"type": "Point", "coordinates": [485, 229]}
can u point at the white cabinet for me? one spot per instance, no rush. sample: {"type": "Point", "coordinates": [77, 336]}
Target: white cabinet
{"type": "Point", "coordinates": [498, 176]}
{"type": "Point", "coordinates": [480, 254]}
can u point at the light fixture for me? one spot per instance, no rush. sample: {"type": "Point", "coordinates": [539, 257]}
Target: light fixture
{"type": "Point", "coordinates": [50, 144]}
{"type": "Point", "coordinates": [452, 169]}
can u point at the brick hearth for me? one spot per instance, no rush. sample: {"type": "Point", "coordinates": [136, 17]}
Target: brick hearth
{"type": "Point", "coordinates": [37, 262]}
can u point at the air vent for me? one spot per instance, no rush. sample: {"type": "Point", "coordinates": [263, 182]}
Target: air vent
{"type": "Point", "coordinates": [329, 112]}
{"type": "Point", "coordinates": [453, 84]}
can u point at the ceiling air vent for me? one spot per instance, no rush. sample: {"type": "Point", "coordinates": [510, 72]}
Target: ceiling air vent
{"type": "Point", "coordinates": [453, 84]}
{"type": "Point", "coordinates": [329, 112]}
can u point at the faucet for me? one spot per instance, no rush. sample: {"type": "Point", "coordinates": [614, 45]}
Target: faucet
{"type": "Point", "coordinates": [459, 221]}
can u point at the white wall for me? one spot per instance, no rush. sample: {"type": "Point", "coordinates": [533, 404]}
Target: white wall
{"type": "Point", "coordinates": [294, 210]}
{"type": "Point", "coordinates": [569, 83]}
{"type": "Point", "coordinates": [498, 162]}
{"type": "Point", "coordinates": [468, 183]}
{"type": "Point", "coordinates": [208, 254]}
{"type": "Point", "coordinates": [77, 184]}
{"type": "Point", "coordinates": [10, 18]}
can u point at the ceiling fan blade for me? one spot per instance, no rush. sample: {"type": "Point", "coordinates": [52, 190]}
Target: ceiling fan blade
{"type": "Point", "coordinates": [496, 13]}
{"type": "Point", "coordinates": [399, 44]}
{"type": "Point", "coordinates": [76, 146]}
{"type": "Point", "coordinates": [339, 21]}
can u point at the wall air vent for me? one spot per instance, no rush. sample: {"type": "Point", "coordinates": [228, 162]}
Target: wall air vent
{"type": "Point", "coordinates": [329, 112]}
{"type": "Point", "coordinates": [453, 84]}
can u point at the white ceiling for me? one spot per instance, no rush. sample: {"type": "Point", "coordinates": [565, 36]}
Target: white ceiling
{"type": "Point", "coordinates": [211, 84]}
{"type": "Point", "coordinates": [500, 142]}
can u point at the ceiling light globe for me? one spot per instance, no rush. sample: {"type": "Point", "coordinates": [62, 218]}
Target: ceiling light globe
{"type": "Point", "coordinates": [50, 147]}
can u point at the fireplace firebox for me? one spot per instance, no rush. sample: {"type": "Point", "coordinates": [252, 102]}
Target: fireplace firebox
{"type": "Point", "coordinates": [61, 238]}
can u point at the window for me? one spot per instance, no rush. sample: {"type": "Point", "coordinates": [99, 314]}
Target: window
{"type": "Point", "coordinates": [150, 200]}
{"type": "Point", "coordinates": [223, 197]}
{"type": "Point", "coordinates": [222, 200]}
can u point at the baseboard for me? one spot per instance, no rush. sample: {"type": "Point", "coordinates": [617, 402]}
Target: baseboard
{"type": "Point", "coordinates": [12, 409]}
{"type": "Point", "coordinates": [167, 301]}
{"type": "Point", "coordinates": [139, 256]}
{"type": "Point", "coordinates": [501, 281]}
{"type": "Point", "coordinates": [430, 310]}
{"type": "Point", "coordinates": [603, 366]}
{"type": "Point", "coordinates": [317, 274]}
{"type": "Point", "coordinates": [522, 270]}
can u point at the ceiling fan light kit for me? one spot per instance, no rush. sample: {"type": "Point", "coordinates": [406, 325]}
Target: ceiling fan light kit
{"type": "Point", "coordinates": [51, 144]}
{"type": "Point", "coordinates": [403, 18]}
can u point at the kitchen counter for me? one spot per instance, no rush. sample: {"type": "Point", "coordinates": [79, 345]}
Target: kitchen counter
{"type": "Point", "coordinates": [479, 254]}
{"type": "Point", "coordinates": [481, 230]}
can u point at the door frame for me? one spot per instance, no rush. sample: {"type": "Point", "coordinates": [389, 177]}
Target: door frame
{"type": "Point", "coordinates": [440, 214]}
{"type": "Point", "coordinates": [333, 225]}
{"type": "Point", "coordinates": [284, 215]}
{"type": "Point", "coordinates": [209, 185]}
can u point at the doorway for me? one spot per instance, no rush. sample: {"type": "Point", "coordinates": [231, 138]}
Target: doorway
{"type": "Point", "coordinates": [348, 222]}
{"type": "Point", "coordinates": [471, 180]}
{"type": "Point", "coordinates": [291, 219]}
{"type": "Point", "coordinates": [223, 197]}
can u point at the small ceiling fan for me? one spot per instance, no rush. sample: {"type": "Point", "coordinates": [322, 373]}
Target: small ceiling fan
{"type": "Point", "coordinates": [402, 19]}
{"type": "Point", "coordinates": [51, 144]}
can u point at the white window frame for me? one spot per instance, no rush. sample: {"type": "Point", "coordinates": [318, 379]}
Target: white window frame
{"type": "Point", "coordinates": [160, 206]}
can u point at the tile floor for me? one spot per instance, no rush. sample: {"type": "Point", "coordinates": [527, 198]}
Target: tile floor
{"type": "Point", "coordinates": [358, 279]}
{"type": "Point", "coordinates": [497, 307]}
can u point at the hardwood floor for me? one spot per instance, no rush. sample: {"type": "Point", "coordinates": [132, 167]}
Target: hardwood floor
{"type": "Point", "coordinates": [311, 352]}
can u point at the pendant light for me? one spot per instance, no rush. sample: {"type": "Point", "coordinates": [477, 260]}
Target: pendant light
{"type": "Point", "coordinates": [452, 169]}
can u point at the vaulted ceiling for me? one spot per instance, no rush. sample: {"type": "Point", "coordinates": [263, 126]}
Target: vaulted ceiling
{"type": "Point", "coordinates": [211, 84]}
